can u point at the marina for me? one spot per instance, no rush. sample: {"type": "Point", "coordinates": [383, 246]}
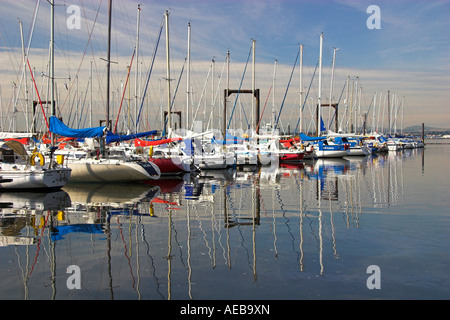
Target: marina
{"type": "Point", "coordinates": [261, 180]}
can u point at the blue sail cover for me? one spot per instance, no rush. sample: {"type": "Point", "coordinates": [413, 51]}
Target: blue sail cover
{"type": "Point", "coordinates": [58, 232]}
{"type": "Point", "coordinates": [304, 137]}
{"type": "Point", "coordinates": [112, 137]}
{"type": "Point", "coordinates": [58, 127]}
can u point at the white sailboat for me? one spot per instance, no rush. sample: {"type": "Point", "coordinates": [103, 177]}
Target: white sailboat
{"type": "Point", "coordinates": [355, 142]}
{"type": "Point", "coordinates": [101, 164]}
{"type": "Point", "coordinates": [18, 170]}
{"type": "Point", "coordinates": [92, 164]}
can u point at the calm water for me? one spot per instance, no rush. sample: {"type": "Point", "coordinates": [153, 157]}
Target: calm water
{"type": "Point", "coordinates": [307, 232]}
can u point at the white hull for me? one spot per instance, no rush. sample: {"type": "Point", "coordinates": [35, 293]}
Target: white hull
{"type": "Point", "coordinates": [268, 158]}
{"type": "Point", "coordinates": [35, 179]}
{"type": "Point", "coordinates": [111, 171]}
{"type": "Point", "coordinates": [393, 147]}
{"type": "Point", "coordinates": [331, 153]}
{"type": "Point", "coordinates": [209, 162]}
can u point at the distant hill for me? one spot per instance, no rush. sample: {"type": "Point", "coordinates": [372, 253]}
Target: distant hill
{"type": "Point", "coordinates": [418, 128]}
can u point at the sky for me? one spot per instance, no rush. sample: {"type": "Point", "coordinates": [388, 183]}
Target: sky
{"type": "Point", "coordinates": [407, 56]}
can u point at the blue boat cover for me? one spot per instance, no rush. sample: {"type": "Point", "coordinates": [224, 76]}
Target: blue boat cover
{"type": "Point", "coordinates": [58, 232]}
{"type": "Point", "coordinates": [58, 127]}
{"type": "Point", "coordinates": [112, 137]}
{"type": "Point", "coordinates": [304, 137]}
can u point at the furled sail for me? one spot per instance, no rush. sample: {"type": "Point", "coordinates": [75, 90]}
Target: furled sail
{"type": "Point", "coordinates": [58, 127]}
{"type": "Point", "coordinates": [112, 137]}
{"type": "Point", "coordinates": [304, 137]}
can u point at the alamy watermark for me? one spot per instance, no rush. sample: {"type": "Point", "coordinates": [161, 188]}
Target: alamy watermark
{"type": "Point", "coordinates": [374, 20]}
{"type": "Point", "coordinates": [74, 20]}
{"type": "Point", "coordinates": [374, 280]}
{"type": "Point", "coordinates": [74, 280]}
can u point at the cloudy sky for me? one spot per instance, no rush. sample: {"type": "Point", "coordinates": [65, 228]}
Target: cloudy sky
{"type": "Point", "coordinates": [408, 55]}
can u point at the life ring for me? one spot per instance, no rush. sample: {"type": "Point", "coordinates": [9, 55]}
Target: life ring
{"type": "Point", "coordinates": [41, 158]}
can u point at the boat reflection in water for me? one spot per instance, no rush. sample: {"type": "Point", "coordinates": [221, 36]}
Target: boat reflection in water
{"type": "Point", "coordinates": [19, 210]}
{"type": "Point", "coordinates": [208, 235]}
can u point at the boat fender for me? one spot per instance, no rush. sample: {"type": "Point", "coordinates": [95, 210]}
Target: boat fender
{"type": "Point", "coordinates": [41, 158]}
{"type": "Point", "coordinates": [150, 151]}
{"type": "Point", "coordinates": [151, 210]}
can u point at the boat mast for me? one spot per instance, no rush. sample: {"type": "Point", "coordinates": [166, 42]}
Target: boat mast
{"type": "Point", "coordinates": [213, 62]}
{"type": "Point", "coordinates": [350, 126]}
{"type": "Point", "coordinates": [136, 87]}
{"type": "Point", "coordinates": [188, 78]}
{"type": "Point", "coordinates": [253, 89]}
{"type": "Point", "coordinates": [274, 115]}
{"type": "Point", "coordinates": [24, 73]}
{"type": "Point", "coordinates": [403, 114]}
{"type": "Point", "coordinates": [224, 120]}
{"type": "Point", "coordinates": [90, 98]}
{"type": "Point", "coordinates": [319, 102]}
{"type": "Point", "coordinates": [301, 87]}
{"type": "Point", "coordinates": [169, 126]}
{"type": "Point", "coordinates": [374, 111]}
{"type": "Point", "coordinates": [331, 86]}
{"type": "Point", "coordinates": [389, 112]}
{"type": "Point", "coordinates": [52, 65]}
{"type": "Point", "coordinates": [347, 83]}
{"type": "Point", "coordinates": [108, 63]}
{"type": "Point", "coordinates": [355, 105]}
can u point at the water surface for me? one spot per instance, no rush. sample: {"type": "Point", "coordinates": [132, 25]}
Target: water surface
{"type": "Point", "coordinates": [290, 233]}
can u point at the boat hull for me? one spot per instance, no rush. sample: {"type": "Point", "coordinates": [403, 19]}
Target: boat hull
{"type": "Point", "coordinates": [393, 147]}
{"type": "Point", "coordinates": [112, 171]}
{"type": "Point", "coordinates": [331, 153]}
{"type": "Point", "coordinates": [291, 157]}
{"type": "Point", "coordinates": [35, 179]}
{"type": "Point", "coordinates": [211, 162]}
{"type": "Point", "coordinates": [169, 167]}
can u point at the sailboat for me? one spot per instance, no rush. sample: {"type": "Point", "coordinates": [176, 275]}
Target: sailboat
{"type": "Point", "coordinates": [326, 147]}
{"type": "Point", "coordinates": [164, 154]}
{"type": "Point", "coordinates": [356, 146]}
{"type": "Point", "coordinates": [18, 170]}
{"type": "Point", "coordinates": [100, 163]}
{"type": "Point", "coordinates": [97, 165]}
